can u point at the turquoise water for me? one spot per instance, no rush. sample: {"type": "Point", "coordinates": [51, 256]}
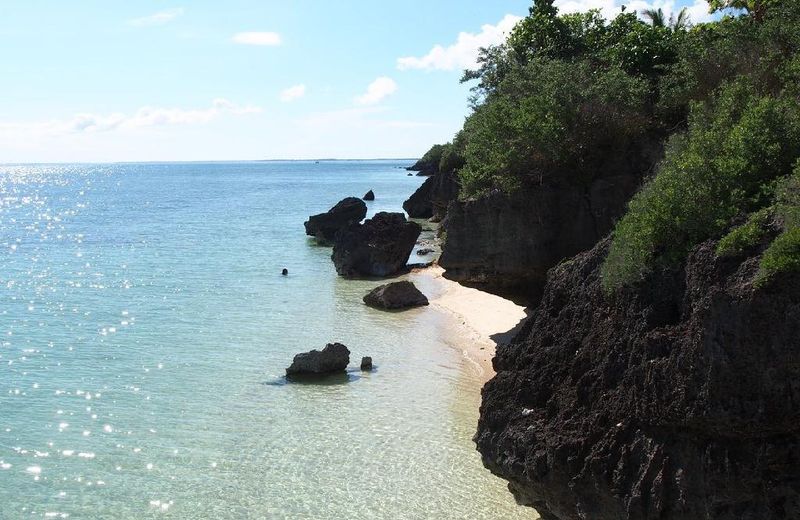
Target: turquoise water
{"type": "Point", "coordinates": [144, 329]}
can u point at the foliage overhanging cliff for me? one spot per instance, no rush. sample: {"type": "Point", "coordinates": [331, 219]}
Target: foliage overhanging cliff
{"type": "Point", "coordinates": [566, 96]}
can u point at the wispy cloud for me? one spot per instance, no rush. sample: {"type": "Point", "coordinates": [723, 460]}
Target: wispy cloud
{"type": "Point", "coordinates": [158, 18]}
{"type": "Point", "coordinates": [144, 117]}
{"type": "Point", "coordinates": [257, 38]}
{"type": "Point", "coordinates": [359, 117]}
{"type": "Point", "coordinates": [463, 53]}
{"type": "Point", "coordinates": [377, 91]}
{"type": "Point", "coordinates": [293, 92]}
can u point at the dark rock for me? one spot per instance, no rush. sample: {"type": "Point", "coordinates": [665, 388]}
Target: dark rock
{"type": "Point", "coordinates": [424, 251]}
{"type": "Point", "coordinates": [433, 196]}
{"type": "Point", "coordinates": [506, 243]}
{"type": "Point", "coordinates": [333, 358]}
{"type": "Point", "coordinates": [378, 247]}
{"type": "Point", "coordinates": [324, 226]}
{"type": "Point", "coordinates": [366, 363]}
{"type": "Point", "coordinates": [285, 272]}
{"type": "Point", "coordinates": [409, 174]}
{"type": "Point", "coordinates": [677, 399]}
{"type": "Point", "coordinates": [369, 195]}
{"type": "Point", "coordinates": [395, 295]}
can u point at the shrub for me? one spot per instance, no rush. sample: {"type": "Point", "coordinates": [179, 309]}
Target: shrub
{"type": "Point", "coordinates": [781, 257]}
{"type": "Point", "coordinates": [723, 166]}
{"type": "Point", "coordinates": [746, 236]}
{"type": "Point", "coordinates": [551, 118]}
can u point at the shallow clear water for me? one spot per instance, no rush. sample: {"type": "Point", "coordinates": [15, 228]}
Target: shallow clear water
{"type": "Point", "coordinates": [144, 329]}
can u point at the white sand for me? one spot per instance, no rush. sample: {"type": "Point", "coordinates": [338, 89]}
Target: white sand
{"type": "Point", "coordinates": [483, 319]}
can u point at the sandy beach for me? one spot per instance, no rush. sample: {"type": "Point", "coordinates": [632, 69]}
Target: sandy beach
{"type": "Point", "coordinates": [481, 320]}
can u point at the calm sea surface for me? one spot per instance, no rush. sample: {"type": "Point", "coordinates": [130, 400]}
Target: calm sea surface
{"type": "Point", "coordinates": [144, 329]}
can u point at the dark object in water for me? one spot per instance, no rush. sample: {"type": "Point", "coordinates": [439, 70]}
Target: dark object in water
{"type": "Point", "coordinates": [285, 271]}
{"type": "Point", "coordinates": [333, 358]}
{"type": "Point", "coordinates": [395, 295]}
{"type": "Point", "coordinates": [366, 363]}
{"type": "Point", "coordinates": [369, 195]}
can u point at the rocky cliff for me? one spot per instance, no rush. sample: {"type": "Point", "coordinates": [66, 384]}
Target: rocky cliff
{"type": "Point", "coordinates": [433, 196]}
{"type": "Point", "coordinates": [506, 243]}
{"type": "Point", "coordinates": [678, 399]}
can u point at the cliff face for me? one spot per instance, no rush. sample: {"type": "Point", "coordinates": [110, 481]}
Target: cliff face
{"type": "Point", "coordinates": [433, 196]}
{"type": "Point", "coordinates": [675, 400]}
{"type": "Point", "coordinates": [506, 243]}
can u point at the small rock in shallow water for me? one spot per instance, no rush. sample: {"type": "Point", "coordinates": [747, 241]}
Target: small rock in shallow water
{"type": "Point", "coordinates": [424, 251]}
{"type": "Point", "coordinates": [395, 295]}
{"type": "Point", "coordinates": [366, 363]}
{"type": "Point", "coordinates": [369, 195]}
{"type": "Point", "coordinates": [285, 272]}
{"type": "Point", "coordinates": [333, 358]}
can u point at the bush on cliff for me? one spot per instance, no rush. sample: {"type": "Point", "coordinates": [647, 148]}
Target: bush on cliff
{"type": "Point", "coordinates": [552, 118]}
{"type": "Point", "coordinates": [563, 95]}
{"type": "Point", "coordinates": [725, 164]}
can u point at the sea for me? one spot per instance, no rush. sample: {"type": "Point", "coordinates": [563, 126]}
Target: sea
{"type": "Point", "coordinates": [144, 331]}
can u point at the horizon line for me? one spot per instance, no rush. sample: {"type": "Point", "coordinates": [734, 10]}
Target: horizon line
{"type": "Point", "coordinates": [187, 161]}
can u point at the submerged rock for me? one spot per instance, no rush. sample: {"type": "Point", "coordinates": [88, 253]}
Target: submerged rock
{"type": "Point", "coordinates": [324, 226]}
{"type": "Point", "coordinates": [380, 246]}
{"type": "Point", "coordinates": [333, 358]}
{"type": "Point", "coordinates": [424, 251]}
{"type": "Point", "coordinates": [366, 363]}
{"type": "Point", "coordinates": [395, 295]}
{"type": "Point", "coordinates": [369, 195]}
{"type": "Point", "coordinates": [676, 399]}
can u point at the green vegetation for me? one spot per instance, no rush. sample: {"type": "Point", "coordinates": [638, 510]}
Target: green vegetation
{"type": "Point", "coordinates": [567, 96]}
{"type": "Point", "coordinates": [782, 256]}
{"type": "Point", "coordinates": [744, 237]}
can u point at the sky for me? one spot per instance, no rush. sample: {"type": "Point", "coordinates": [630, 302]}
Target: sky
{"type": "Point", "coordinates": [104, 81]}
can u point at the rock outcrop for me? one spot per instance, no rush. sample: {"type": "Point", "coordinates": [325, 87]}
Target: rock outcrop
{"type": "Point", "coordinates": [366, 363]}
{"type": "Point", "coordinates": [380, 246]}
{"type": "Point", "coordinates": [369, 195]}
{"type": "Point", "coordinates": [678, 399]}
{"type": "Point", "coordinates": [506, 243]}
{"type": "Point", "coordinates": [395, 295]}
{"type": "Point", "coordinates": [346, 212]}
{"type": "Point", "coordinates": [333, 358]}
{"type": "Point", "coordinates": [433, 196]}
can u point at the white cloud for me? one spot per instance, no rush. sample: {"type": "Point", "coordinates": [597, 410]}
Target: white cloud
{"type": "Point", "coordinates": [257, 38]}
{"type": "Point", "coordinates": [158, 18]}
{"type": "Point", "coordinates": [698, 11]}
{"type": "Point", "coordinates": [293, 92]}
{"type": "Point", "coordinates": [463, 53]}
{"type": "Point", "coordinates": [144, 117]}
{"type": "Point", "coordinates": [377, 90]}
{"type": "Point", "coordinates": [360, 117]}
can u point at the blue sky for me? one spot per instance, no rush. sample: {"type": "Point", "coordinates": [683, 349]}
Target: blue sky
{"type": "Point", "coordinates": [208, 80]}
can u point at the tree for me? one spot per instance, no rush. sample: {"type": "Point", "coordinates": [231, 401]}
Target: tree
{"type": "Point", "coordinates": [656, 17]}
{"type": "Point", "coordinates": [756, 8]}
{"type": "Point", "coordinates": [676, 23]}
{"type": "Point", "coordinates": [680, 22]}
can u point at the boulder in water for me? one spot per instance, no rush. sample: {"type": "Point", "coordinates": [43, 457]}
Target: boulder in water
{"type": "Point", "coordinates": [333, 358]}
{"type": "Point", "coordinates": [324, 226]}
{"type": "Point", "coordinates": [395, 295]}
{"type": "Point", "coordinates": [380, 246]}
{"type": "Point", "coordinates": [369, 195]}
{"type": "Point", "coordinates": [366, 363]}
